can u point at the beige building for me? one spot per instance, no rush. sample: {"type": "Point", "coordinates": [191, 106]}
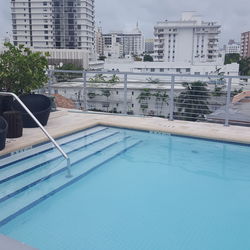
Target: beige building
{"type": "Point", "coordinates": [99, 44]}
{"type": "Point", "coordinates": [245, 44]}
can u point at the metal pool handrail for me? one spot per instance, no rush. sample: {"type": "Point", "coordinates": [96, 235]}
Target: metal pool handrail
{"type": "Point", "coordinates": [42, 128]}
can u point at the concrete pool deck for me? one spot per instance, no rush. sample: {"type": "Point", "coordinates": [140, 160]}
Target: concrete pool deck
{"type": "Point", "coordinates": [65, 122]}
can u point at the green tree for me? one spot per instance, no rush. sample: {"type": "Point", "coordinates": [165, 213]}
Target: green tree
{"type": "Point", "coordinates": [192, 103]}
{"type": "Point", "coordinates": [107, 94]}
{"type": "Point", "coordinates": [245, 66]}
{"type": "Point", "coordinates": [148, 58]}
{"type": "Point", "coordinates": [114, 79]}
{"type": "Point", "coordinates": [22, 70]}
{"type": "Point", "coordinates": [219, 90]}
{"type": "Point", "coordinates": [232, 58]}
{"type": "Point", "coordinates": [153, 80]}
{"type": "Point", "coordinates": [62, 77]}
{"type": "Point", "coordinates": [143, 99]}
{"type": "Point", "coordinates": [102, 58]}
{"type": "Point", "coordinates": [160, 97]}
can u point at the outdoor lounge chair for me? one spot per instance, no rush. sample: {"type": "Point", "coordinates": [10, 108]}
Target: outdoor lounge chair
{"type": "Point", "coordinates": [3, 132]}
{"type": "Point", "coordinates": [39, 105]}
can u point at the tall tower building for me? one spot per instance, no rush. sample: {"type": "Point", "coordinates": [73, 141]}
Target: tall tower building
{"type": "Point", "coordinates": [189, 40]}
{"type": "Point", "coordinates": [245, 44]}
{"type": "Point", "coordinates": [53, 24]}
{"type": "Point", "coordinates": [124, 43]}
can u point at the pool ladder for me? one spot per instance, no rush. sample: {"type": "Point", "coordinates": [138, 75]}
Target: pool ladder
{"type": "Point", "coordinates": [43, 129]}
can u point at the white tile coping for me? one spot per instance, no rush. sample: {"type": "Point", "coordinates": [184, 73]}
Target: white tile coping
{"type": "Point", "coordinates": [64, 122]}
{"type": "Point", "coordinates": [7, 243]}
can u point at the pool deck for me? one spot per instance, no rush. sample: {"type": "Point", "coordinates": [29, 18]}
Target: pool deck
{"type": "Point", "coordinates": [64, 122]}
{"type": "Point", "coordinates": [7, 243]}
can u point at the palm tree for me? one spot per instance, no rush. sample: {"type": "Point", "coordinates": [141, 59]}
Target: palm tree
{"type": "Point", "coordinates": [143, 99]}
{"type": "Point", "coordinates": [192, 104]}
{"type": "Point", "coordinates": [245, 66]}
{"type": "Point", "coordinates": [106, 93]}
{"type": "Point", "coordinates": [160, 97]}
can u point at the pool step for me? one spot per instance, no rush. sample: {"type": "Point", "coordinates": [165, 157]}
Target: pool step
{"type": "Point", "coordinates": [38, 160]}
{"type": "Point", "coordinates": [5, 162]}
{"type": "Point", "coordinates": [37, 173]}
{"type": "Point", "coordinates": [41, 186]}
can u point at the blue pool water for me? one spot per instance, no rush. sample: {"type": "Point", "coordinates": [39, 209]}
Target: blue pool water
{"type": "Point", "coordinates": [165, 193]}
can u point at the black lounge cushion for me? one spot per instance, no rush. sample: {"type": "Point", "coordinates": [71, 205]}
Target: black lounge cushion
{"type": "Point", "coordinates": [39, 105]}
{"type": "Point", "coordinates": [3, 132]}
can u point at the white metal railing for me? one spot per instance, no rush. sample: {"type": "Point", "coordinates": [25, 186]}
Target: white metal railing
{"type": "Point", "coordinates": [42, 128]}
{"type": "Point", "coordinates": [173, 86]}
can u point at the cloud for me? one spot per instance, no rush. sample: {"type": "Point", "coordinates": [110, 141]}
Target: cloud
{"type": "Point", "coordinates": [5, 18]}
{"type": "Point", "coordinates": [233, 16]}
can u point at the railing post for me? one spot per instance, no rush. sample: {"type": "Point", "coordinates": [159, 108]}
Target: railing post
{"type": "Point", "coordinates": [50, 75]}
{"type": "Point", "coordinates": [229, 85]}
{"type": "Point", "coordinates": [171, 103]}
{"type": "Point", "coordinates": [84, 76]}
{"type": "Point", "coordinates": [125, 100]}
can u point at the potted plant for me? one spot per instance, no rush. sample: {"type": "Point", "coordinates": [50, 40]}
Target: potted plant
{"type": "Point", "coordinates": [22, 70]}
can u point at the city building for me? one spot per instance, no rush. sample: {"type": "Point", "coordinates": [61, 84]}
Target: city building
{"type": "Point", "coordinates": [99, 45]}
{"type": "Point", "coordinates": [120, 44]}
{"type": "Point", "coordinates": [189, 40]}
{"type": "Point", "coordinates": [53, 24]}
{"type": "Point", "coordinates": [245, 44]}
{"type": "Point", "coordinates": [149, 46]}
{"type": "Point", "coordinates": [233, 47]}
{"type": "Point", "coordinates": [177, 68]}
{"type": "Point", "coordinates": [113, 47]}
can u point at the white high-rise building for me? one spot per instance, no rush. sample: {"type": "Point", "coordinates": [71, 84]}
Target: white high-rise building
{"type": "Point", "coordinates": [149, 46]}
{"type": "Point", "coordinates": [232, 47]}
{"type": "Point", "coordinates": [120, 44]}
{"type": "Point", "coordinates": [53, 24]}
{"type": "Point", "coordinates": [189, 40]}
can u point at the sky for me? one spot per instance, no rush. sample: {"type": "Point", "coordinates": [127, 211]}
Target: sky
{"type": "Point", "coordinates": [122, 15]}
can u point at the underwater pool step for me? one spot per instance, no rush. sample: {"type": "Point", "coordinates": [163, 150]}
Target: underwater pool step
{"type": "Point", "coordinates": [5, 162]}
{"type": "Point", "coordinates": [44, 189]}
{"type": "Point", "coordinates": [31, 163]}
{"type": "Point", "coordinates": [28, 179]}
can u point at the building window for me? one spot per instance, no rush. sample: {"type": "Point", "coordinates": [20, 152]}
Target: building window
{"type": "Point", "coordinates": [152, 70]}
{"type": "Point", "coordinates": [161, 70]}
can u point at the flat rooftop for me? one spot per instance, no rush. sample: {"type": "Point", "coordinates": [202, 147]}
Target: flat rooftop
{"type": "Point", "coordinates": [63, 122]}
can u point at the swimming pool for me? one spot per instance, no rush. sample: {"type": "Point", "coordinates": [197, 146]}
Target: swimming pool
{"type": "Point", "coordinates": [147, 191]}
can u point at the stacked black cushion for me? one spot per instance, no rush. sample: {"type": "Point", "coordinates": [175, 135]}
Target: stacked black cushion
{"type": "Point", "coordinates": [15, 123]}
{"type": "Point", "coordinates": [3, 132]}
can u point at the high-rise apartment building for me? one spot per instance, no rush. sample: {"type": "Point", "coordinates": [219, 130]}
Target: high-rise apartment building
{"type": "Point", "coordinates": [149, 46]}
{"type": "Point", "coordinates": [233, 47]}
{"type": "Point", "coordinates": [189, 40]}
{"type": "Point", "coordinates": [53, 24]}
{"type": "Point", "coordinates": [99, 44]}
{"type": "Point", "coordinates": [245, 44]}
{"type": "Point", "coordinates": [124, 43]}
